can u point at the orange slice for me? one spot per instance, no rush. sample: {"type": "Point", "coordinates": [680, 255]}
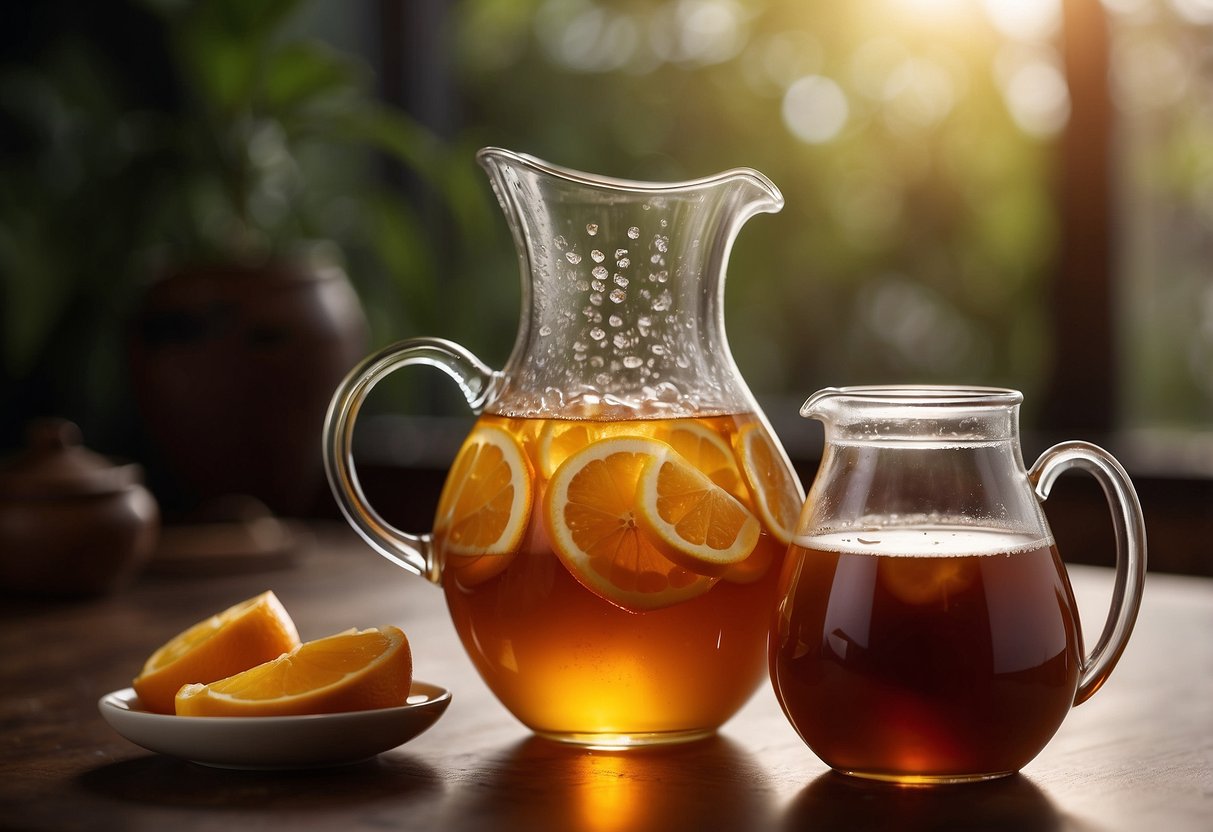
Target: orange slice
{"type": "Point", "coordinates": [706, 450]}
{"type": "Point", "coordinates": [777, 491]}
{"type": "Point", "coordinates": [352, 671]}
{"type": "Point", "coordinates": [486, 501]}
{"type": "Point", "coordinates": [560, 439]}
{"type": "Point", "coordinates": [244, 635]}
{"type": "Point", "coordinates": [590, 509]}
{"type": "Point", "coordinates": [695, 523]}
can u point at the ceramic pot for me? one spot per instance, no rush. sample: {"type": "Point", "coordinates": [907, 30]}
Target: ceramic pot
{"type": "Point", "coordinates": [72, 522]}
{"type": "Point", "coordinates": [232, 369]}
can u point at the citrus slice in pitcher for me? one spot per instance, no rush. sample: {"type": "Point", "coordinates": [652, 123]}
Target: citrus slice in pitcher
{"type": "Point", "coordinates": [695, 522]}
{"type": "Point", "coordinates": [590, 509]}
{"type": "Point", "coordinates": [777, 492]}
{"type": "Point", "coordinates": [486, 500]}
{"type": "Point", "coordinates": [357, 670]}
{"type": "Point", "coordinates": [706, 450]}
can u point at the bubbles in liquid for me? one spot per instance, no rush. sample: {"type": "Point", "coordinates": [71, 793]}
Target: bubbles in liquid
{"type": "Point", "coordinates": [621, 341]}
{"type": "Point", "coordinates": [620, 281]}
{"type": "Point", "coordinates": [634, 233]}
{"type": "Point", "coordinates": [618, 296]}
{"type": "Point", "coordinates": [591, 228]}
{"type": "Point", "coordinates": [597, 256]}
{"type": "Point", "coordinates": [623, 262]}
{"type": "Point", "coordinates": [621, 252]}
{"type": "Point", "coordinates": [596, 298]}
{"type": "Point", "coordinates": [661, 243]}
{"type": "Point", "coordinates": [632, 361]}
{"type": "Point", "coordinates": [600, 272]}
{"type": "Point", "coordinates": [615, 320]}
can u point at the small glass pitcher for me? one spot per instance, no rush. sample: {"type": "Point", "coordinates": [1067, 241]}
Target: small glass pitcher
{"type": "Point", "coordinates": [610, 533]}
{"type": "Point", "coordinates": [927, 631]}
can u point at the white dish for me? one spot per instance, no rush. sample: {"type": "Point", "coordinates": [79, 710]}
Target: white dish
{"type": "Point", "coordinates": [275, 742]}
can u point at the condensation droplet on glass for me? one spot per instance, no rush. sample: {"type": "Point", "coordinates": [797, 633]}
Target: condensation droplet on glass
{"type": "Point", "coordinates": [591, 228]}
{"type": "Point", "coordinates": [573, 257]}
{"type": "Point", "coordinates": [632, 361]}
{"type": "Point", "coordinates": [543, 249]}
{"type": "Point", "coordinates": [621, 252]}
{"type": "Point", "coordinates": [661, 243]}
{"type": "Point", "coordinates": [598, 285]}
{"type": "Point", "coordinates": [656, 259]}
{"type": "Point", "coordinates": [646, 207]}
{"type": "Point", "coordinates": [597, 362]}
{"type": "Point", "coordinates": [623, 262]}
{"type": "Point", "coordinates": [600, 272]}
{"type": "Point", "coordinates": [615, 320]}
{"type": "Point", "coordinates": [634, 233]}
{"type": "Point", "coordinates": [620, 341]}
{"type": "Point", "coordinates": [579, 356]}
{"type": "Point", "coordinates": [597, 256]}
{"type": "Point", "coordinates": [682, 361]}
{"type": "Point", "coordinates": [596, 298]}
{"type": "Point", "coordinates": [545, 330]}
{"type": "Point", "coordinates": [656, 349]}
{"type": "Point", "coordinates": [620, 280]}
{"type": "Point", "coordinates": [580, 346]}
{"type": "Point", "coordinates": [603, 379]}
{"type": "Point", "coordinates": [643, 323]}
{"type": "Point", "coordinates": [618, 296]}
{"type": "Point", "coordinates": [561, 243]}
{"type": "Point", "coordinates": [664, 222]}
{"type": "Point", "coordinates": [597, 333]}
{"type": "Point", "coordinates": [662, 276]}
{"type": "Point", "coordinates": [662, 302]}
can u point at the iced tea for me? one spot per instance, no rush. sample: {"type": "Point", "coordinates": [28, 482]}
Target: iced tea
{"type": "Point", "coordinates": [565, 645]}
{"type": "Point", "coordinates": [956, 657]}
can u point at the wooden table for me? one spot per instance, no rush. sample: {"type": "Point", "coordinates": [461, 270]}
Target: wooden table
{"type": "Point", "coordinates": [1138, 756]}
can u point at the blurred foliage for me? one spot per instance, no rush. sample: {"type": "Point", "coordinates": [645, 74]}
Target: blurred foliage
{"type": "Point", "coordinates": [142, 135]}
{"type": "Point", "coordinates": [915, 241]}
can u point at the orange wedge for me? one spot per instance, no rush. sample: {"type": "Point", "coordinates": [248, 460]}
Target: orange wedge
{"type": "Point", "coordinates": [559, 440]}
{"type": "Point", "coordinates": [590, 509]}
{"type": "Point", "coordinates": [777, 491]}
{"type": "Point", "coordinates": [695, 523]}
{"type": "Point", "coordinates": [244, 635]}
{"type": "Point", "coordinates": [486, 501]}
{"type": "Point", "coordinates": [357, 670]}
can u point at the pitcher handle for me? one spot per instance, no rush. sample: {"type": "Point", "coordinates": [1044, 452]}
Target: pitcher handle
{"type": "Point", "coordinates": [478, 382]}
{"type": "Point", "coordinates": [1130, 550]}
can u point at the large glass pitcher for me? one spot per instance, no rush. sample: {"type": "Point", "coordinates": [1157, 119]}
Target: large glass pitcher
{"type": "Point", "coordinates": [609, 536]}
{"type": "Point", "coordinates": [927, 631]}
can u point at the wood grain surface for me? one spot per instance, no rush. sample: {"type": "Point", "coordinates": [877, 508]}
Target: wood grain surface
{"type": "Point", "coordinates": [1138, 756]}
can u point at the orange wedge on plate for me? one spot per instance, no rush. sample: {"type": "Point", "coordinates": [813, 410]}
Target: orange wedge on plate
{"type": "Point", "coordinates": [357, 670]}
{"type": "Point", "coordinates": [244, 635]}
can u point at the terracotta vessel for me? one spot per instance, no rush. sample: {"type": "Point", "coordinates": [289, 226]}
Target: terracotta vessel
{"type": "Point", "coordinates": [72, 523]}
{"type": "Point", "coordinates": [232, 369]}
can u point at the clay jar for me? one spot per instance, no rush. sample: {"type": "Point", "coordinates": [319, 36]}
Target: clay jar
{"type": "Point", "coordinates": [72, 523]}
{"type": "Point", "coordinates": [232, 367]}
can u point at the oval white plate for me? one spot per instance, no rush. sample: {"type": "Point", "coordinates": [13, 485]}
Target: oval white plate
{"type": "Point", "coordinates": [275, 742]}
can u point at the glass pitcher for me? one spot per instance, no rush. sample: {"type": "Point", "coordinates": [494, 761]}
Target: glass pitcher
{"type": "Point", "coordinates": [926, 630]}
{"type": "Point", "coordinates": [609, 535]}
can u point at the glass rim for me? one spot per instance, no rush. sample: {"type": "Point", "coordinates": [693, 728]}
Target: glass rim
{"type": "Point", "coordinates": [926, 395]}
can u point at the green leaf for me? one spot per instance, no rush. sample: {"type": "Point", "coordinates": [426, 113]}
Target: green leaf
{"type": "Point", "coordinates": [299, 73]}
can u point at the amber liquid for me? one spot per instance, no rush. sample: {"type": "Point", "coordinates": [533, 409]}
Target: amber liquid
{"type": "Point", "coordinates": [574, 666]}
{"type": "Point", "coordinates": [955, 659]}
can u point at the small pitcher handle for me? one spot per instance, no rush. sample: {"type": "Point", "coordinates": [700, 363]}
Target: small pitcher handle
{"type": "Point", "coordinates": [1130, 550]}
{"type": "Point", "coordinates": [478, 382]}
